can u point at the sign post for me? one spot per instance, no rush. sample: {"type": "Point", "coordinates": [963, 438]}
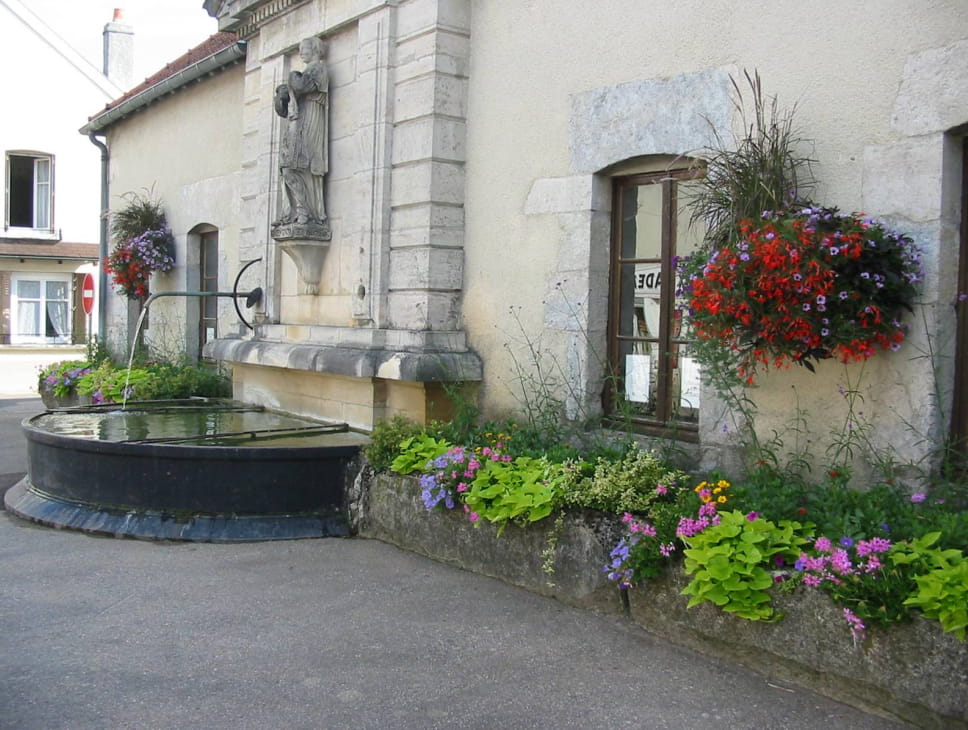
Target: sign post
{"type": "Point", "coordinates": [87, 300]}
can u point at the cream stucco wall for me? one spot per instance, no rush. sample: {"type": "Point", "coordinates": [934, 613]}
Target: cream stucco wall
{"type": "Point", "coordinates": [557, 97]}
{"type": "Point", "coordinates": [184, 150]}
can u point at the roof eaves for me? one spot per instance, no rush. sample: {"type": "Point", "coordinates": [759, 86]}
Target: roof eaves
{"type": "Point", "coordinates": [167, 85]}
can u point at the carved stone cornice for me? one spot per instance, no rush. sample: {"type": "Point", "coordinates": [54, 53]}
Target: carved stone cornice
{"type": "Point", "coordinates": [245, 17]}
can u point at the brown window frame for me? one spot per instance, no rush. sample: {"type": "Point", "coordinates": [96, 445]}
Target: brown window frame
{"type": "Point", "coordinates": [207, 282]}
{"type": "Point", "coordinates": [959, 407]}
{"type": "Point", "coordinates": [664, 421]}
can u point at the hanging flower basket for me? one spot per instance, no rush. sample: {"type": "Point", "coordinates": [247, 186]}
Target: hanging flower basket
{"type": "Point", "coordinates": [132, 261]}
{"type": "Point", "coordinates": [803, 285]}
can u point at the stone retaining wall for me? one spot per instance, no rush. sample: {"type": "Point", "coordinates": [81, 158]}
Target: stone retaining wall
{"type": "Point", "coordinates": [913, 671]}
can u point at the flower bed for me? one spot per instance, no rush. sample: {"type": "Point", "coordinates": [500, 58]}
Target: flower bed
{"type": "Point", "coordinates": [914, 671]}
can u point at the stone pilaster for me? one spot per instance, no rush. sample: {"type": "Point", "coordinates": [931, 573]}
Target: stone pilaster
{"type": "Point", "coordinates": [427, 187]}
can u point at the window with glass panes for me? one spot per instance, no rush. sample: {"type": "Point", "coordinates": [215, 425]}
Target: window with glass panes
{"type": "Point", "coordinates": [29, 191]}
{"type": "Point", "coordinates": [654, 383]}
{"type": "Point", "coordinates": [208, 282]}
{"type": "Point", "coordinates": [41, 309]}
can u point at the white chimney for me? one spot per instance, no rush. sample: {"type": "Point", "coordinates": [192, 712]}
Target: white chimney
{"type": "Point", "coordinates": [119, 51]}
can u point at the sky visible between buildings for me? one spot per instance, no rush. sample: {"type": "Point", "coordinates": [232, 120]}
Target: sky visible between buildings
{"type": "Point", "coordinates": [164, 29]}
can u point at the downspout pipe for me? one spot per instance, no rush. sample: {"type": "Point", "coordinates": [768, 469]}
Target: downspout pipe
{"type": "Point", "coordinates": [102, 274]}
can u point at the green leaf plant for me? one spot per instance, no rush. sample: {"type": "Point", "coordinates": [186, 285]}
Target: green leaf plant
{"type": "Point", "coordinates": [526, 489]}
{"type": "Point", "coordinates": [730, 563]}
{"type": "Point", "coordinates": [416, 451]}
{"type": "Point", "coordinates": [942, 589]}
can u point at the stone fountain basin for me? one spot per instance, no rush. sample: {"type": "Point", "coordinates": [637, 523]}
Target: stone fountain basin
{"type": "Point", "coordinates": [212, 471]}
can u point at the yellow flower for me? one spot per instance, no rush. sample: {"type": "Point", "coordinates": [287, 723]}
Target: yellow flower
{"type": "Point", "coordinates": [717, 490]}
{"type": "Point", "coordinates": [706, 498]}
{"type": "Point", "coordinates": [721, 499]}
{"type": "Point", "coordinates": [702, 486]}
{"type": "Point", "coordinates": [722, 483]}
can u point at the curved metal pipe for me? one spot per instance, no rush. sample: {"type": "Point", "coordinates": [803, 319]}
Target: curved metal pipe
{"type": "Point", "coordinates": [251, 297]}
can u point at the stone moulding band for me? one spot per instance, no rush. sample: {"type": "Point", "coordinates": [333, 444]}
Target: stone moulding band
{"type": "Point", "coordinates": [420, 367]}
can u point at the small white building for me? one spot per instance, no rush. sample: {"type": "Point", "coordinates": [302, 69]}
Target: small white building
{"type": "Point", "coordinates": [51, 203]}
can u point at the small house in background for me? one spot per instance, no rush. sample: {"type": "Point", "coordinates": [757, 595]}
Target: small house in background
{"type": "Point", "coordinates": [504, 187]}
{"type": "Point", "coordinates": [51, 200]}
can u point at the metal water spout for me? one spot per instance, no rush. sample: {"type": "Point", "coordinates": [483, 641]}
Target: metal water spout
{"type": "Point", "coordinates": [252, 297]}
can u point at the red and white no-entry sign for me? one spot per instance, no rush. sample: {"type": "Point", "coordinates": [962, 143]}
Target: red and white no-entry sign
{"type": "Point", "coordinates": [87, 294]}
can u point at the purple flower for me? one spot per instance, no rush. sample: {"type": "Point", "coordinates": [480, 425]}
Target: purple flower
{"type": "Point", "coordinates": [846, 542]}
{"type": "Point", "coordinates": [751, 517]}
{"type": "Point", "coordinates": [919, 497]}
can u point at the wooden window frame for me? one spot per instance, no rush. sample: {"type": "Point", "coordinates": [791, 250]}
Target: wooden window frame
{"type": "Point", "coordinates": [663, 423]}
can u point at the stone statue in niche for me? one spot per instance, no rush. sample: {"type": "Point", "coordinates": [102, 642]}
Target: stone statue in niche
{"type": "Point", "coordinates": [304, 155]}
{"type": "Point", "coordinates": [302, 231]}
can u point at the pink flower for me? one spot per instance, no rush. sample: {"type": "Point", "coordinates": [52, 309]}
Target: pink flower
{"type": "Point", "coordinates": [462, 487]}
{"type": "Point", "coordinates": [840, 562]}
{"type": "Point", "coordinates": [751, 517]}
{"type": "Point", "coordinates": [823, 545]}
{"type": "Point", "coordinates": [660, 489]}
{"type": "Point", "coordinates": [473, 517]}
{"type": "Point", "coordinates": [856, 625]}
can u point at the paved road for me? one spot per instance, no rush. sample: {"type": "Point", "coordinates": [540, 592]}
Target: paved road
{"type": "Point", "coordinates": [107, 633]}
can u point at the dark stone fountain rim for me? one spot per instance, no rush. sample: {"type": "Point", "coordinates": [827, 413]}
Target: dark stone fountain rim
{"type": "Point", "coordinates": [183, 491]}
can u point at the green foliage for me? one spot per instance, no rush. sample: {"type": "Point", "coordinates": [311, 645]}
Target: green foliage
{"type": "Point", "coordinates": [97, 351]}
{"type": "Point", "coordinates": [154, 381]}
{"type": "Point", "coordinates": [139, 214]}
{"type": "Point", "coordinates": [884, 510]}
{"type": "Point", "coordinates": [462, 427]}
{"type": "Point", "coordinates": [761, 170]}
{"type": "Point", "coordinates": [730, 563]}
{"type": "Point", "coordinates": [386, 438]}
{"type": "Point", "coordinates": [61, 378]}
{"type": "Point", "coordinates": [624, 485]}
{"type": "Point", "coordinates": [525, 489]}
{"type": "Point", "coordinates": [416, 451]}
{"type": "Point", "coordinates": [878, 597]}
{"type": "Point", "coordinates": [109, 384]}
{"type": "Point", "coordinates": [942, 582]}
{"type": "Point", "coordinates": [185, 380]}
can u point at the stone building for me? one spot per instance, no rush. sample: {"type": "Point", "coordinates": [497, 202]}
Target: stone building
{"type": "Point", "coordinates": [476, 156]}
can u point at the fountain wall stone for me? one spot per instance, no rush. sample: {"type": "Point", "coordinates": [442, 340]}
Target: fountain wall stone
{"type": "Point", "coordinates": [371, 314]}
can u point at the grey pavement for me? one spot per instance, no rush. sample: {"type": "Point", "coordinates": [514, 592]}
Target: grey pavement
{"type": "Point", "coordinates": [336, 633]}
